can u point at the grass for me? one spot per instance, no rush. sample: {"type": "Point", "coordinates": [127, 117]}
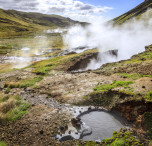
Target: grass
{"type": "Point", "coordinates": [2, 143]}
{"type": "Point", "coordinates": [4, 49]}
{"type": "Point", "coordinates": [7, 90]}
{"type": "Point", "coordinates": [134, 13]}
{"type": "Point", "coordinates": [15, 23]}
{"type": "Point", "coordinates": [43, 67]}
{"type": "Point", "coordinates": [12, 108]}
{"type": "Point", "coordinates": [106, 87]}
{"type": "Point", "coordinates": [23, 83]}
{"type": "Point", "coordinates": [134, 76]}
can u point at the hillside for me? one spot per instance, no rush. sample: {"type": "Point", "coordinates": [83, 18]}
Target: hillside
{"type": "Point", "coordinates": [135, 12]}
{"type": "Point", "coordinates": [14, 23]}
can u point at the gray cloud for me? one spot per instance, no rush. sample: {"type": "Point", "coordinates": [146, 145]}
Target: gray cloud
{"type": "Point", "coordinates": [67, 8]}
{"type": "Point", "coordinates": [19, 4]}
{"type": "Point", "coordinates": [87, 7]}
{"type": "Point", "coordinates": [54, 9]}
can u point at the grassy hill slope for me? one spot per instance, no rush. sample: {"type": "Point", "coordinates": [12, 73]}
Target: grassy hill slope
{"type": "Point", "coordinates": [13, 23]}
{"type": "Point", "coordinates": [135, 12]}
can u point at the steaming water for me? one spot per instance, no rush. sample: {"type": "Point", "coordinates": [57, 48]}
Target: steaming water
{"type": "Point", "coordinates": [129, 39]}
{"type": "Point", "coordinates": [29, 49]}
{"type": "Point", "coordinates": [102, 124]}
{"type": "Point", "coordinates": [101, 59]}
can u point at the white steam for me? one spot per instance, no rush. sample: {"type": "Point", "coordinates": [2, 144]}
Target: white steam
{"type": "Point", "coordinates": [129, 39]}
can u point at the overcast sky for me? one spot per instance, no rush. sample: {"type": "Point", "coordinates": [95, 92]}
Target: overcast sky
{"type": "Point", "coordinates": [83, 10]}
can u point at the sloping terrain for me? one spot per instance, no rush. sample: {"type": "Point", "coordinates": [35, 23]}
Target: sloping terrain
{"type": "Point", "coordinates": [136, 12]}
{"type": "Point", "coordinates": [17, 23]}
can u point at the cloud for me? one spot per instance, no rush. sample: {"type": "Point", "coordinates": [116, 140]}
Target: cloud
{"type": "Point", "coordinates": [19, 4]}
{"type": "Point", "coordinates": [68, 8]}
{"type": "Point", "coordinates": [56, 9]}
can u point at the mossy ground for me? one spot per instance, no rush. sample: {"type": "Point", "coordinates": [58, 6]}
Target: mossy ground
{"type": "Point", "coordinates": [12, 108]}
{"type": "Point", "coordinates": [106, 87]}
{"type": "Point", "coordinates": [2, 143]}
{"type": "Point", "coordinates": [122, 138]}
{"type": "Point", "coordinates": [133, 76]}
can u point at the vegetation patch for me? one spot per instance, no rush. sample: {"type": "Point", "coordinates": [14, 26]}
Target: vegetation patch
{"type": "Point", "coordinates": [62, 62]}
{"type": "Point", "coordinates": [106, 87]}
{"type": "Point", "coordinates": [148, 122]}
{"type": "Point", "coordinates": [4, 49]}
{"type": "Point", "coordinates": [148, 96]}
{"type": "Point", "coordinates": [134, 76]}
{"type": "Point", "coordinates": [7, 90]}
{"type": "Point", "coordinates": [132, 66]}
{"type": "Point", "coordinates": [122, 138]}
{"type": "Point", "coordinates": [2, 143]}
{"type": "Point", "coordinates": [23, 83]}
{"type": "Point", "coordinates": [90, 143]}
{"type": "Point", "coordinates": [15, 23]}
{"type": "Point", "coordinates": [12, 108]}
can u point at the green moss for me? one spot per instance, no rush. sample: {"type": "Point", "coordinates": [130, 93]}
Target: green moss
{"type": "Point", "coordinates": [122, 138]}
{"type": "Point", "coordinates": [42, 70]}
{"type": "Point", "coordinates": [2, 143]}
{"type": "Point", "coordinates": [134, 76]}
{"type": "Point", "coordinates": [148, 122]}
{"type": "Point", "coordinates": [129, 91]}
{"type": "Point", "coordinates": [23, 83]}
{"type": "Point", "coordinates": [91, 143]}
{"type": "Point", "coordinates": [106, 87]}
{"type": "Point", "coordinates": [118, 142]}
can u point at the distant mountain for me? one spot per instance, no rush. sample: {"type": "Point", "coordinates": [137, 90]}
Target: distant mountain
{"type": "Point", "coordinates": [13, 23]}
{"type": "Point", "coordinates": [136, 12]}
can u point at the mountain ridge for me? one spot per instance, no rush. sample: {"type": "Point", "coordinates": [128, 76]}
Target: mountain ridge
{"type": "Point", "coordinates": [14, 23]}
{"type": "Point", "coordinates": [135, 12]}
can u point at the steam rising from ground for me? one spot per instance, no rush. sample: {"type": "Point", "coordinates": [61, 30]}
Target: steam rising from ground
{"type": "Point", "coordinates": [129, 38]}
